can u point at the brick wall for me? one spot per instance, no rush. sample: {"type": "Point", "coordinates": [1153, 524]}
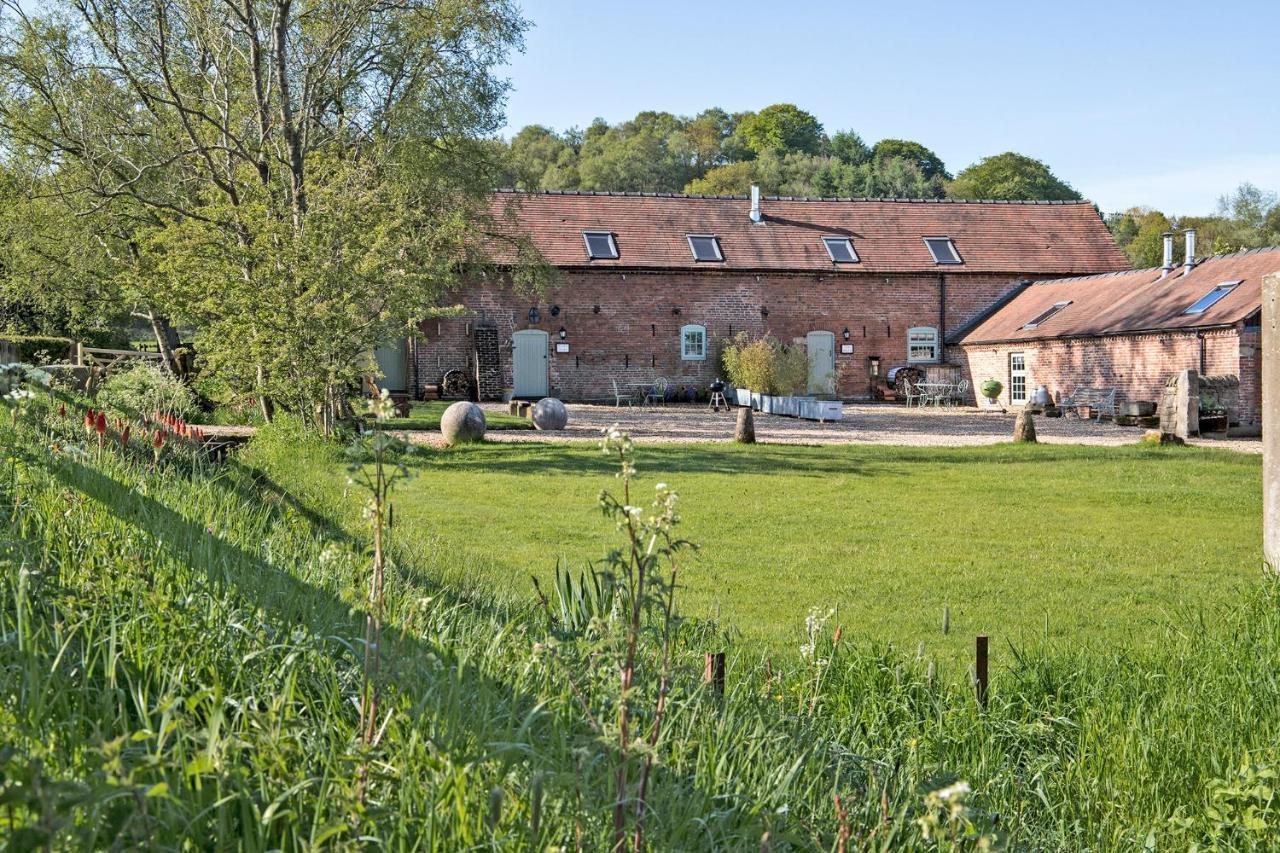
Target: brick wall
{"type": "Point", "coordinates": [625, 326]}
{"type": "Point", "coordinates": [1136, 365]}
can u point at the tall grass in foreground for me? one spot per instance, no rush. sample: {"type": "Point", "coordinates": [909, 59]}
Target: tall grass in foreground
{"type": "Point", "coordinates": [181, 660]}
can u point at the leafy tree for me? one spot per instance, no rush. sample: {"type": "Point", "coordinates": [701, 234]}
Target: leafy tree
{"type": "Point", "coordinates": [848, 147]}
{"type": "Point", "coordinates": [235, 148]}
{"type": "Point", "coordinates": [1010, 176]}
{"type": "Point", "coordinates": [928, 164]}
{"type": "Point", "coordinates": [648, 153]}
{"type": "Point", "coordinates": [1146, 248]}
{"type": "Point", "coordinates": [782, 128]}
{"type": "Point", "coordinates": [896, 177]}
{"type": "Point", "coordinates": [541, 159]}
{"type": "Point", "coordinates": [705, 138]}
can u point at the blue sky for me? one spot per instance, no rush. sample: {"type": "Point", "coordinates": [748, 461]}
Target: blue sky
{"type": "Point", "coordinates": [1167, 104]}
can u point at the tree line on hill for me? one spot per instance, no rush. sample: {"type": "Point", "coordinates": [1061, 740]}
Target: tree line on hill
{"type": "Point", "coordinates": [782, 148]}
{"type": "Point", "coordinates": [1246, 218]}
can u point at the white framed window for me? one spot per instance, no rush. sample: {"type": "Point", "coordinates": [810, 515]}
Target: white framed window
{"type": "Point", "coordinates": [943, 250]}
{"type": "Point", "coordinates": [1204, 303]}
{"type": "Point", "coordinates": [600, 244]}
{"type": "Point", "coordinates": [1044, 315]}
{"type": "Point", "coordinates": [1018, 378]}
{"type": "Point", "coordinates": [705, 247]}
{"type": "Point", "coordinates": [693, 342]}
{"type": "Point", "coordinates": [923, 344]}
{"type": "Point", "coordinates": [841, 250]}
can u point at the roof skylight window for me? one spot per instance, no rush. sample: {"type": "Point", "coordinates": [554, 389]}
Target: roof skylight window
{"type": "Point", "coordinates": [1046, 314]}
{"type": "Point", "coordinates": [841, 250]}
{"type": "Point", "coordinates": [705, 247]}
{"type": "Point", "coordinates": [1204, 303]}
{"type": "Point", "coordinates": [600, 244]}
{"type": "Point", "coordinates": [943, 250]}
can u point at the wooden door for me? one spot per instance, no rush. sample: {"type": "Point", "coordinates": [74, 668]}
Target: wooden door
{"type": "Point", "coordinates": [529, 348]}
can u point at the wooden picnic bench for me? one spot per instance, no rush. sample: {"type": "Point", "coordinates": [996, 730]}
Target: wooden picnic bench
{"type": "Point", "coordinates": [1099, 402]}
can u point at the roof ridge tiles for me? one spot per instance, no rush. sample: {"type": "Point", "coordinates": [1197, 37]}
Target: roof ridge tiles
{"type": "Point", "coordinates": [714, 197]}
{"type": "Point", "coordinates": [1243, 252]}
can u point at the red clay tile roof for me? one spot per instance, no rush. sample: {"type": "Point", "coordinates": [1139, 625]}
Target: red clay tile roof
{"type": "Point", "coordinates": [1134, 301]}
{"type": "Point", "coordinates": [1046, 238]}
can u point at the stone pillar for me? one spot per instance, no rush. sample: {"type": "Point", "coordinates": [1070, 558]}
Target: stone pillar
{"type": "Point", "coordinates": [1271, 420]}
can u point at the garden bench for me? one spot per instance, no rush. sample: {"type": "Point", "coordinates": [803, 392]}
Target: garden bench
{"type": "Point", "coordinates": [1099, 402]}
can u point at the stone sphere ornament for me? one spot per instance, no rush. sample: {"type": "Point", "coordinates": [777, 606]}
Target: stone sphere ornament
{"type": "Point", "coordinates": [462, 423]}
{"type": "Point", "coordinates": [550, 414]}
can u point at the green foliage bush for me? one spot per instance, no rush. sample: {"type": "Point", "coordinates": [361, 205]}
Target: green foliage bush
{"type": "Point", "coordinates": [37, 349]}
{"type": "Point", "coordinates": [144, 389]}
{"type": "Point", "coordinates": [765, 365]}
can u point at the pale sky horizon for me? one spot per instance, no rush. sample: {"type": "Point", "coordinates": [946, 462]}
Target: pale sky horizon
{"type": "Point", "coordinates": [1168, 105]}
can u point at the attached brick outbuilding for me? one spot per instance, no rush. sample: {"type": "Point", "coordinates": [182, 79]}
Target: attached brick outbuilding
{"type": "Point", "coordinates": [1129, 331]}
{"type": "Point", "coordinates": [652, 285]}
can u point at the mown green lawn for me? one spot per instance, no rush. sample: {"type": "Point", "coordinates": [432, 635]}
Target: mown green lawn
{"type": "Point", "coordinates": [426, 416]}
{"type": "Point", "coordinates": [1028, 544]}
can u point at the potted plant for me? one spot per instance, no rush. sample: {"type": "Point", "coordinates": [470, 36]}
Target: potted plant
{"type": "Point", "coordinates": [991, 389]}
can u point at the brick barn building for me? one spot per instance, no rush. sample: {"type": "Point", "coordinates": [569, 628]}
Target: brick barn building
{"type": "Point", "coordinates": [1128, 331]}
{"type": "Point", "coordinates": [651, 285]}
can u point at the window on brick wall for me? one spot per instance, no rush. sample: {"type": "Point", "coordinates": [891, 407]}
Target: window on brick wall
{"type": "Point", "coordinates": [600, 244]}
{"type": "Point", "coordinates": [1040, 318]}
{"type": "Point", "coordinates": [705, 247]}
{"type": "Point", "coordinates": [943, 250]}
{"type": "Point", "coordinates": [693, 342]}
{"type": "Point", "coordinates": [1204, 303]}
{"type": "Point", "coordinates": [923, 344]}
{"type": "Point", "coordinates": [841, 250]}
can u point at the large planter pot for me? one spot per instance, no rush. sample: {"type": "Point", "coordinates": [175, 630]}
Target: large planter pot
{"type": "Point", "coordinates": [822, 410]}
{"type": "Point", "coordinates": [742, 396]}
{"type": "Point", "coordinates": [767, 404]}
{"type": "Point", "coordinates": [755, 401]}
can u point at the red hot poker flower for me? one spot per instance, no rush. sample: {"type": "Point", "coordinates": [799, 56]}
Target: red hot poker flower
{"type": "Point", "coordinates": [101, 425]}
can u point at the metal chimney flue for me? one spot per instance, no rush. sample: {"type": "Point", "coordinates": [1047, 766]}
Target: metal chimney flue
{"type": "Point", "coordinates": [1167, 266]}
{"type": "Point", "coordinates": [1190, 260]}
{"type": "Point", "coordinates": [756, 215]}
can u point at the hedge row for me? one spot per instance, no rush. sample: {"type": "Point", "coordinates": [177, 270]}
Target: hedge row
{"type": "Point", "coordinates": [32, 348]}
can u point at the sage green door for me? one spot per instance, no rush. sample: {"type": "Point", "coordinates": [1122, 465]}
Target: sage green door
{"type": "Point", "coordinates": [529, 363]}
{"type": "Point", "coordinates": [393, 364]}
{"type": "Point", "coordinates": [822, 362]}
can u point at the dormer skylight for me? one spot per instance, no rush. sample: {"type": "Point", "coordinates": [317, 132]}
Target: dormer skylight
{"type": "Point", "coordinates": [943, 250]}
{"type": "Point", "coordinates": [1204, 303]}
{"type": "Point", "coordinates": [841, 250]}
{"type": "Point", "coordinates": [705, 247]}
{"type": "Point", "coordinates": [1046, 314]}
{"type": "Point", "coordinates": [600, 245]}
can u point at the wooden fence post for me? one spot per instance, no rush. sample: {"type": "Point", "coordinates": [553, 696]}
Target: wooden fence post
{"type": "Point", "coordinates": [980, 669]}
{"type": "Point", "coordinates": [713, 671]}
{"type": "Point", "coordinates": [1271, 421]}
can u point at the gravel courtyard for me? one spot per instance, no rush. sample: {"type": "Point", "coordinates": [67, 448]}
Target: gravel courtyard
{"type": "Point", "coordinates": [864, 423]}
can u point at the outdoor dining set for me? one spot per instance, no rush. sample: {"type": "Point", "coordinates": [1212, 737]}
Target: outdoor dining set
{"type": "Point", "coordinates": [653, 393]}
{"type": "Point", "coordinates": [936, 393]}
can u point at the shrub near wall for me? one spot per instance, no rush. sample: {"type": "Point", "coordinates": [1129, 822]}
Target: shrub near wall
{"type": "Point", "coordinates": [35, 349]}
{"type": "Point", "coordinates": [765, 365]}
